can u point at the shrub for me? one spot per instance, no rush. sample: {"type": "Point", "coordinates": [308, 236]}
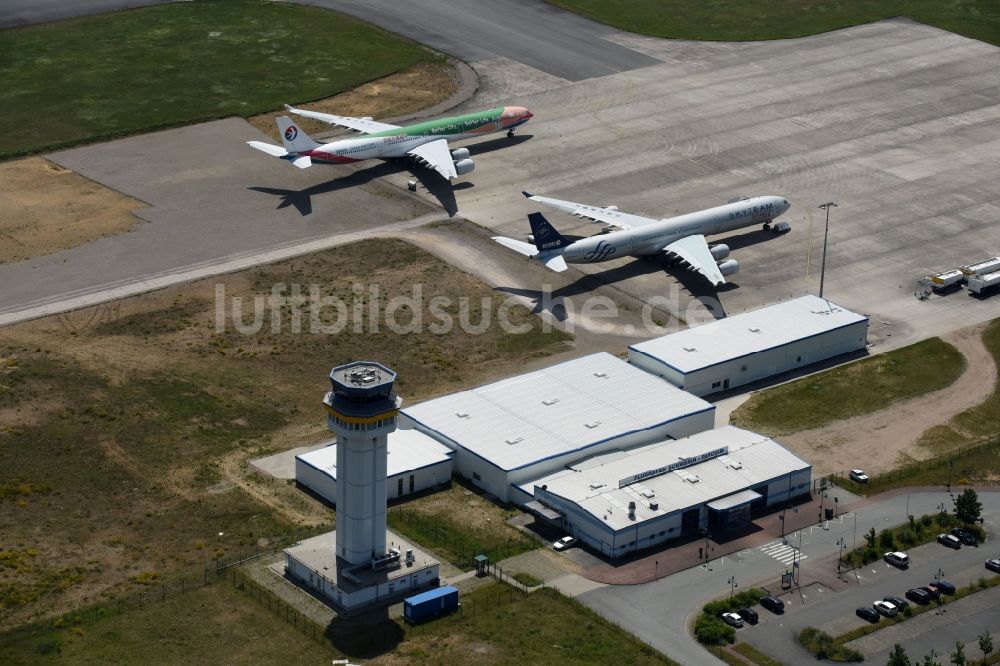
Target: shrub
{"type": "Point", "coordinates": [710, 630]}
{"type": "Point", "coordinates": [887, 540]}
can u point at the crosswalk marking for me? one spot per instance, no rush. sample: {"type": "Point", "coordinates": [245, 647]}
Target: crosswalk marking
{"type": "Point", "coordinates": [782, 552]}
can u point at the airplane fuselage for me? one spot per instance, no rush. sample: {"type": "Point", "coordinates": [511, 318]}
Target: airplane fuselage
{"type": "Point", "coordinates": [397, 142]}
{"type": "Point", "coordinates": [652, 238]}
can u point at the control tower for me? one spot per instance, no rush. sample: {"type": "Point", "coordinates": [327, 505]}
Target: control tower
{"type": "Point", "coordinates": [361, 410]}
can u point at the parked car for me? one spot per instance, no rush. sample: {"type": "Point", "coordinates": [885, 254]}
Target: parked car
{"type": "Point", "coordinates": [732, 619]}
{"type": "Point", "coordinates": [858, 476]}
{"type": "Point", "coordinates": [564, 543]}
{"type": "Point", "coordinates": [943, 586]}
{"type": "Point", "coordinates": [994, 564]}
{"type": "Point", "coordinates": [885, 608]}
{"type": "Point", "coordinates": [868, 613]}
{"type": "Point", "coordinates": [772, 603]}
{"type": "Point", "coordinates": [919, 595]}
{"type": "Point", "coordinates": [898, 602]}
{"type": "Point", "coordinates": [897, 559]}
{"type": "Point", "coordinates": [932, 591]}
{"type": "Point", "coordinates": [749, 615]}
{"type": "Point", "coordinates": [949, 540]}
{"type": "Point", "coordinates": [965, 536]}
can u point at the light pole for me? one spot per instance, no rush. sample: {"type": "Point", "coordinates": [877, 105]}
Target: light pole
{"type": "Point", "coordinates": [840, 557]}
{"type": "Point", "coordinates": [732, 585]}
{"type": "Point", "coordinates": [951, 468]}
{"type": "Point", "coordinates": [656, 575]}
{"type": "Point", "coordinates": [826, 235]}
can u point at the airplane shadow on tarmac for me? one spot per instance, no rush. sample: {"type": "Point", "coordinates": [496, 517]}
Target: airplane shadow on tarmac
{"type": "Point", "coordinates": [437, 186]}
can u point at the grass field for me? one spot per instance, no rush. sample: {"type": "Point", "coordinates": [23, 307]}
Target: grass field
{"type": "Point", "coordinates": [976, 423]}
{"type": "Point", "coordinates": [857, 388]}
{"type": "Point", "coordinates": [130, 71]}
{"type": "Point", "coordinates": [743, 20]}
{"type": "Point", "coordinates": [207, 625]}
{"type": "Point", "coordinates": [458, 524]}
{"type": "Point", "coordinates": [126, 428]}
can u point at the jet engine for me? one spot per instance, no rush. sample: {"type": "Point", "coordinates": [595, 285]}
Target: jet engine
{"type": "Point", "coordinates": [729, 267]}
{"type": "Point", "coordinates": [463, 167]}
{"type": "Point", "coordinates": [719, 252]}
{"type": "Point", "coordinates": [460, 154]}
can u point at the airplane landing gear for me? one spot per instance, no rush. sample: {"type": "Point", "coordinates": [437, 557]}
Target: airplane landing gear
{"type": "Point", "coordinates": [767, 225]}
{"type": "Point", "coordinates": [510, 134]}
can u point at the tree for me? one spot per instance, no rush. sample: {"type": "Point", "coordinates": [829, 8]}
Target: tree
{"type": "Point", "coordinates": [958, 654]}
{"type": "Point", "coordinates": [898, 656]}
{"type": "Point", "coordinates": [930, 659]}
{"type": "Point", "coordinates": [870, 538]}
{"type": "Point", "coordinates": [968, 507]}
{"type": "Point", "coordinates": [986, 644]}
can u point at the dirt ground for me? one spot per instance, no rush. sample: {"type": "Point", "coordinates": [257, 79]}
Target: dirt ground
{"type": "Point", "coordinates": [398, 94]}
{"type": "Point", "coordinates": [878, 441]}
{"type": "Point", "coordinates": [45, 208]}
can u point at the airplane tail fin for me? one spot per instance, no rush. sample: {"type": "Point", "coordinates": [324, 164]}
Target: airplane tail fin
{"type": "Point", "coordinates": [293, 137]}
{"type": "Point", "coordinates": [544, 234]}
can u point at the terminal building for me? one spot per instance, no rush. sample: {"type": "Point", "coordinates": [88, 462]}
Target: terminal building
{"type": "Point", "coordinates": [752, 346]}
{"type": "Point", "coordinates": [507, 433]}
{"type": "Point", "coordinates": [623, 501]}
{"type": "Point", "coordinates": [415, 462]}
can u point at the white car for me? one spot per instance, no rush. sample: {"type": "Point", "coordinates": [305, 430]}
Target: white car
{"type": "Point", "coordinates": [858, 476]}
{"type": "Point", "coordinates": [885, 608]}
{"type": "Point", "coordinates": [564, 543]}
{"type": "Point", "coordinates": [897, 559]}
{"type": "Point", "coordinates": [732, 619]}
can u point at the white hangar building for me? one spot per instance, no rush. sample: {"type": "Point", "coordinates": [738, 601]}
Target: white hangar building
{"type": "Point", "coordinates": [624, 501]}
{"type": "Point", "coordinates": [509, 432]}
{"type": "Point", "coordinates": [415, 462]}
{"type": "Point", "coordinates": [751, 346]}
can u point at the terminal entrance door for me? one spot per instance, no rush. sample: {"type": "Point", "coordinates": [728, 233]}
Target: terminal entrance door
{"type": "Point", "coordinates": [689, 522]}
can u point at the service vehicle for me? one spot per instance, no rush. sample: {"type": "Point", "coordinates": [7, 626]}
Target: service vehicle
{"type": "Point", "coordinates": [772, 603]}
{"type": "Point", "coordinates": [949, 540]}
{"type": "Point", "coordinates": [858, 476]}
{"type": "Point", "coordinates": [868, 613]}
{"type": "Point", "coordinates": [733, 620]}
{"type": "Point", "coordinates": [885, 608]}
{"type": "Point", "coordinates": [897, 559]}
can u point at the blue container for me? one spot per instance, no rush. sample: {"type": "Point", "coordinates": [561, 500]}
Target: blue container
{"type": "Point", "coordinates": [430, 604]}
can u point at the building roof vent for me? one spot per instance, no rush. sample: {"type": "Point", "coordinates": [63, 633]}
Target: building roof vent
{"type": "Point", "coordinates": [654, 506]}
{"type": "Point", "coordinates": [690, 349]}
{"type": "Point", "coordinates": [736, 464]}
{"type": "Point", "coordinates": [592, 424]}
{"type": "Point", "coordinates": [754, 330]}
{"type": "Point", "coordinates": [602, 375]}
{"type": "Point", "coordinates": [550, 402]}
{"type": "Point", "coordinates": [462, 415]}
{"type": "Point", "coordinates": [596, 485]}
{"type": "Point", "coordinates": [649, 493]}
{"type": "Point", "coordinates": [691, 478]}
{"type": "Point", "coordinates": [514, 440]}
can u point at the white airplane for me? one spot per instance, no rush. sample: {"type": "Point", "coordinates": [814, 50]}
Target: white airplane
{"type": "Point", "coordinates": [681, 237]}
{"type": "Point", "coordinates": [426, 141]}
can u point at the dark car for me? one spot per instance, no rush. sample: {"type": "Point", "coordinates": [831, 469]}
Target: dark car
{"type": "Point", "coordinates": [918, 595]}
{"type": "Point", "coordinates": [773, 604]}
{"type": "Point", "coordinates": [965, 536]}
{"type": "Point", "coordinates": [749, 615]}
{"type": "Point", "coordinates": [944, 587]}
{"type": "Point", "coordinates": [993, 565]}
{"type": "Point", "coordinates": [868, 613]}
{"type": "Point", "coordinates": [896, 601]}
{"type": "Point", "coordinates": [931, 590]}
{"type": "Point", "coordinates": [949, 540]}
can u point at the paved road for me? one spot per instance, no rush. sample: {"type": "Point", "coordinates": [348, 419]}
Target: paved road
{"type": "Point", "coordinates": [531, 32]}
{"type": "Point", "coordinates": [658, 612]}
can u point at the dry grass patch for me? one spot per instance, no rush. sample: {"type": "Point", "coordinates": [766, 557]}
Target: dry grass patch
{"type": "Point", "coordinates": [400, 94]}
{"type": "Point", "coordinates": [45, 208]}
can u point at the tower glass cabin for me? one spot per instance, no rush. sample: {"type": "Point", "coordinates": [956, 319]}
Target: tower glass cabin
{"type": "Point", "coordinates": [362, 409]}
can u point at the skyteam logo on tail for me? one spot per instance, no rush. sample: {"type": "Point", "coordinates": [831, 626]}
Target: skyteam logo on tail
{"type": "Point", "coordinates": [291, 133]}
{"type": "Point", "coordinates": [601, 251]}
{"type": "Point", "coordinates": [542, 230]}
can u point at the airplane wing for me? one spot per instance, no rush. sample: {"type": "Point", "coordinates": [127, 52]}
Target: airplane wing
{"type": "Point", "coordinates": [363, 125]}
{"type": "Point", "coordinates": [606, 215]}
{"type": "Point", "coordinates": [694, 250]}
{"type": "Point", "coordinates": [437, 156]}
